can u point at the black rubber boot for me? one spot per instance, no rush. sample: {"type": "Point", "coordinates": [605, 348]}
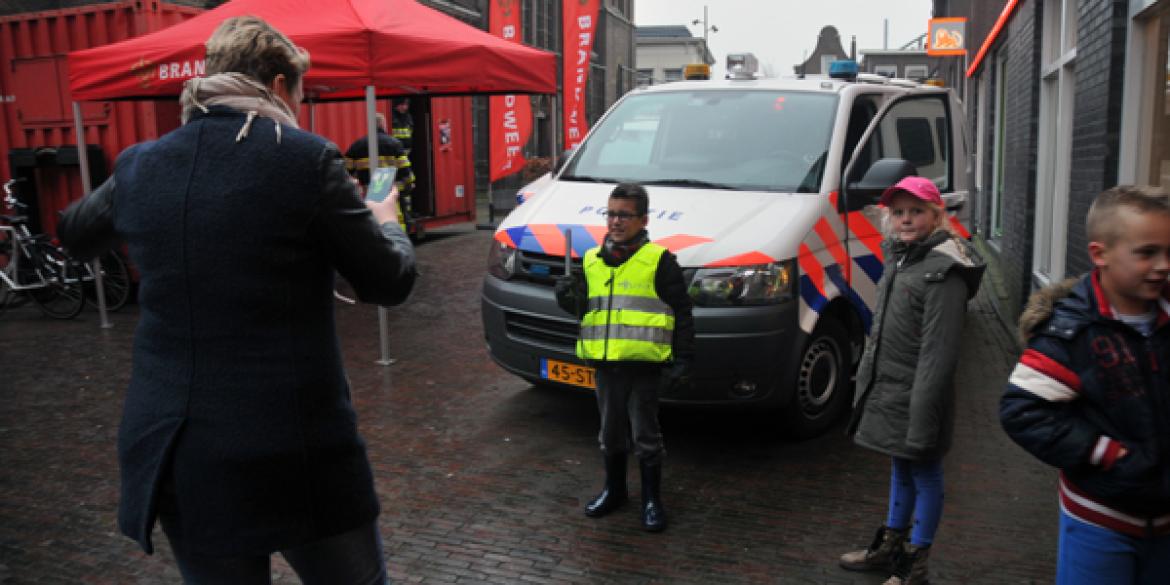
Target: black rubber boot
{"type": "Point", "coordinates": [653, 516]}
{"type": "Point", "coordinates": [614, 494]}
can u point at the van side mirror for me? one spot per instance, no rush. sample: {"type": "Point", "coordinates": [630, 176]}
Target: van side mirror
{"type": "Point", "coordinates": [882, 175]}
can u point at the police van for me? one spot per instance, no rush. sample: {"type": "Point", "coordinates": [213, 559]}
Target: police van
{"type": "Point", "coordinates": [767, 192]}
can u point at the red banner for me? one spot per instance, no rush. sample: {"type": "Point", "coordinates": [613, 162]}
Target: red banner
{"type": "Point", "coordinates": [580, 26]}
{"type": "Point", "coordinates": [510, 115]}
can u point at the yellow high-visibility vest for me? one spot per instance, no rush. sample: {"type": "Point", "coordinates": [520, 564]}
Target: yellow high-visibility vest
{"type": "Point", "coordinates": [625, 319]}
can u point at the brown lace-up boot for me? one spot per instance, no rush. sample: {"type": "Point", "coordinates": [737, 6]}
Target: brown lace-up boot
{"type": "Point", "coordinates": [880, 555]}
{"type": "Point", "coordinates": [910, 566]}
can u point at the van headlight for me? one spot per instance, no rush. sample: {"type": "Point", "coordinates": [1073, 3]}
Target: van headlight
{"type": "Point", "coordinates": [733, 286]}
{"type": "Point", "coordinates": [502, 260]}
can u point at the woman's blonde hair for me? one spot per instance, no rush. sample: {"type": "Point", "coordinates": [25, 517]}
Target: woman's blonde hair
{"type": "Point", "coordinates": [249, 45]}
{"type": "Point", "coordinates": [940, 216]}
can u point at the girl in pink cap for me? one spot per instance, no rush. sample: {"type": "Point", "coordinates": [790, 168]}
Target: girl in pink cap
{"type": "Point", "coordinates": [905, 397]}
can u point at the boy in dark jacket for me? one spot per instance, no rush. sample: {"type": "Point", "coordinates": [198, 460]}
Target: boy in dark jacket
{"type": "Point", "coordinates": [638, 332]}
{"type": "Point", "coordinates": [1090, 394]}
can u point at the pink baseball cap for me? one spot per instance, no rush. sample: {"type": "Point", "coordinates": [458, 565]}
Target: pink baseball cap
{"type": "Point", "coordinates": [920, 187]}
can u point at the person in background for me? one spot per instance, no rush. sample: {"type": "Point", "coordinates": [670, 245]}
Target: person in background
{"type": "Point", "coordinates": [402, 129]}
{"type": "Point", "coordinates": [391, 155]}
{"type": "Point", "coordinates": [638, 332]}
{"type": "Point", "coordinates": [1090, 394]}
{"type": "Point", "coordinates": [905, 392]}
{"type": "Point", "coordinates": [237, 431]}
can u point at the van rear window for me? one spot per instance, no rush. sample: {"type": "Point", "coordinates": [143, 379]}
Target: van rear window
{"type": "Point", "coordinates": [736, 139]}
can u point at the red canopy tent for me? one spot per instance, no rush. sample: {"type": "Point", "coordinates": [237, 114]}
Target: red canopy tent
{"type": "Point", "coordinates": [357, 48]}
{"type": "Point", "coordinates": [397, 46]}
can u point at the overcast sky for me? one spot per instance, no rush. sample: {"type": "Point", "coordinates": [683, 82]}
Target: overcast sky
{"type": "Point", "coordinates": [780, 31]}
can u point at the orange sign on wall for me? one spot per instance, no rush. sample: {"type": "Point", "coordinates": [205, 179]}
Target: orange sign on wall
{"type": "Point", "coordinates": [947, 36]}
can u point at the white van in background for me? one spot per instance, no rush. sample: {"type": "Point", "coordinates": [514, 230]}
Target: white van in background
{"type": "Point", "coordinates": [748, 187]}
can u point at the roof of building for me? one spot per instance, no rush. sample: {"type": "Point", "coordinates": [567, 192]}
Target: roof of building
{"type": "Point", "coordinates": [910, 52]}
{"type": "Point", "coordinates": [664, 31]}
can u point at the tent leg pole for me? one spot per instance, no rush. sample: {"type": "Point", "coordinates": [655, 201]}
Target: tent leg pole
{"type": "Point", "coordinates": [372, 136]}
{"type": "Point", "coordinates": [554, 118]}
{"type": "Point", "coordinates": [86, 187]}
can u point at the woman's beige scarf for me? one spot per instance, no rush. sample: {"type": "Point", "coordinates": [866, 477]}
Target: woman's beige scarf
{"type": "Point", "coordinates": [239, 92]}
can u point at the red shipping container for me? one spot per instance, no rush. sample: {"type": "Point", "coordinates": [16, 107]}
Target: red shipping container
{"type": "Point", "coordinates": [36, 111]}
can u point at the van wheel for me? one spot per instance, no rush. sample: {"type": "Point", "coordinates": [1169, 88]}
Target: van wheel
{"type": "Point", "coordinates": [822, 381]}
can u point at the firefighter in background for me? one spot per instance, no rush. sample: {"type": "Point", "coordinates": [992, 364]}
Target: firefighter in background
{"type": "Point", "coordinates": [391, 153]}
{"type": "Point", "coordinates": [402, 128]}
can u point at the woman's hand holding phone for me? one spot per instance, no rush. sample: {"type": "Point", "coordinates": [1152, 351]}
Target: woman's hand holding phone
{"type": "Point", "coordinates": [386, 210]}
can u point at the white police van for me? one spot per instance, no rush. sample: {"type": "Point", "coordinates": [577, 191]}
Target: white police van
{"type": "Point", "coordinates": [766, 190]}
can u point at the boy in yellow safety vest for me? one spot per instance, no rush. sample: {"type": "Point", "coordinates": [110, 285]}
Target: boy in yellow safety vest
{"type": "Point", "coordinates": [638, 332]}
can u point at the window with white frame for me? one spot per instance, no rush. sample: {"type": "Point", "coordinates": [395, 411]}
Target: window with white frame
{"type": "Point", "coordinates": [1144, 155]}
{"type": "Point", "coordinates": [917, 71]}
{"type": "Point", "coordinates": [979, 126]}
{"type": "Point", "coordinates": [999, 143]}
{"type": "Point", "coordinates": [645, 77]}
{"type": "Point", "coordinates": [1054, 151]}
{"type": "Point", "coordinates": [887, 70]}
{"type": "Point", "coordinates": [1158, 164]}
{"type": "Point", "coordinates": [673, 74]}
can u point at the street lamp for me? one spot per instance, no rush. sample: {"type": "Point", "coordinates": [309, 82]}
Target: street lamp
{"type": "Point", "coordinates": [706, 28]}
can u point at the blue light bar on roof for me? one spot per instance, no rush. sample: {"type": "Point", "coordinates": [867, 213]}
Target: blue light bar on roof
{"type": "Point", "coordinates": [843, 69]}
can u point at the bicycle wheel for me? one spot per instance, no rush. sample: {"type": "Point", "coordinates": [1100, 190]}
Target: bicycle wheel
{"type": "Point", "coordinates": [115, 282]}
{"type": "Point", "coordinates": [63, 296]}
{"type": "Point", "coordinates": [9, 298]}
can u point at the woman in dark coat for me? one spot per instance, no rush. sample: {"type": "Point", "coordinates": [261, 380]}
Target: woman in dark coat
{"type": "Point", "coordinates": [238, 432]}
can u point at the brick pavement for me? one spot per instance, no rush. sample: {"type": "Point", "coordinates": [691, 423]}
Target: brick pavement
{"type": "Point", "coordinates": [482, 477]}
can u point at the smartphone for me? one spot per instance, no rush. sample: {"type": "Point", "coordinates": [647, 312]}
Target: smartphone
{"type": "Point", "coordinates": [381, 183]}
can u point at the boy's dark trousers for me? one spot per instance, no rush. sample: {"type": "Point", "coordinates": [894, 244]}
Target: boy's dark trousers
{"type": "Point", "coordinates": [627, 399]}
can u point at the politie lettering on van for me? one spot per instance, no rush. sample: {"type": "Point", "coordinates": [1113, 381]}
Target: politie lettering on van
{"type": "Point", "coordinates": [745, 179]}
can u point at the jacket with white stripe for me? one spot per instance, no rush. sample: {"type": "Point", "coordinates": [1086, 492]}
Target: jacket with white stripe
{"type": "Point", "coordinates": [1087, 388]}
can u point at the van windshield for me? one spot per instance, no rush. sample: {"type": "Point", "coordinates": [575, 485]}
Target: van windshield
{"type": "Point", "coordinates": [751, 140]}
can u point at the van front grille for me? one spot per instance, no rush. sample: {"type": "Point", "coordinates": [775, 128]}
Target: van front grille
{"type": "Point", "coordinates": [543, 268]}
{"type": "Point", "coordinates": [552, 333]}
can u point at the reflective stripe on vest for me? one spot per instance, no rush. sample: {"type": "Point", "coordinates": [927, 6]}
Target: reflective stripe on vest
{"type": "Point", "coordinates": [625, 320]}
{"type": "Point", "coordinates": [363, 164]}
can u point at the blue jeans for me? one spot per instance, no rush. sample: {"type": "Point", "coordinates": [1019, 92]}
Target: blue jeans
{"type": "Point", "coordinates": [354, 557]}
{"type": "Point", "coordinates": [916, 489]}
{"type": "Point", "coordinates": [1089, 555]}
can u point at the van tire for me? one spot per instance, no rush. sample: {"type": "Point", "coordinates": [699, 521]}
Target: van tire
{"type": "Point", "coordinates": [821, 381]}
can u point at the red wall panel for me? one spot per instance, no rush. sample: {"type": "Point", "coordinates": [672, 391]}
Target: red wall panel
{"type": "Point", "coordinates": [36, 110]}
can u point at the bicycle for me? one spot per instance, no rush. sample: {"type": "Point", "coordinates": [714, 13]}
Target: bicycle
{"type": "Point", "coordinates": [32, 267]}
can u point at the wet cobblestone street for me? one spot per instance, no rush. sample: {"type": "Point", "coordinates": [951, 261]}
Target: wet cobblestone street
{"type": "Point", "coordinates": [482, 477]}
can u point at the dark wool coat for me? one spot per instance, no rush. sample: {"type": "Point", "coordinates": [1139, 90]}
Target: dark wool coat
{"type": "Point", "coordinates": [237, 392]}
{"type": "Point", "coordinates": [904, 405]}
{"type": "Point", "coordinates": [1086, 385]}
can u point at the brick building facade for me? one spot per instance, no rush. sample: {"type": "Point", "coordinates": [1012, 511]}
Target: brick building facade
{"type": "Point", "coordinates": [1062, 103]}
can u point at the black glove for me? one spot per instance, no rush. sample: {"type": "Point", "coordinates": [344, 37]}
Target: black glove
{"type": "Point", "coordinates": [676, 377]}
{"type": "Point", "coordinates": [571, 293]}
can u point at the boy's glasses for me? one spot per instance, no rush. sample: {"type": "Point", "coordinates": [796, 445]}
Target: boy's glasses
{"type": "Point", "coordinates": [621, 215]}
